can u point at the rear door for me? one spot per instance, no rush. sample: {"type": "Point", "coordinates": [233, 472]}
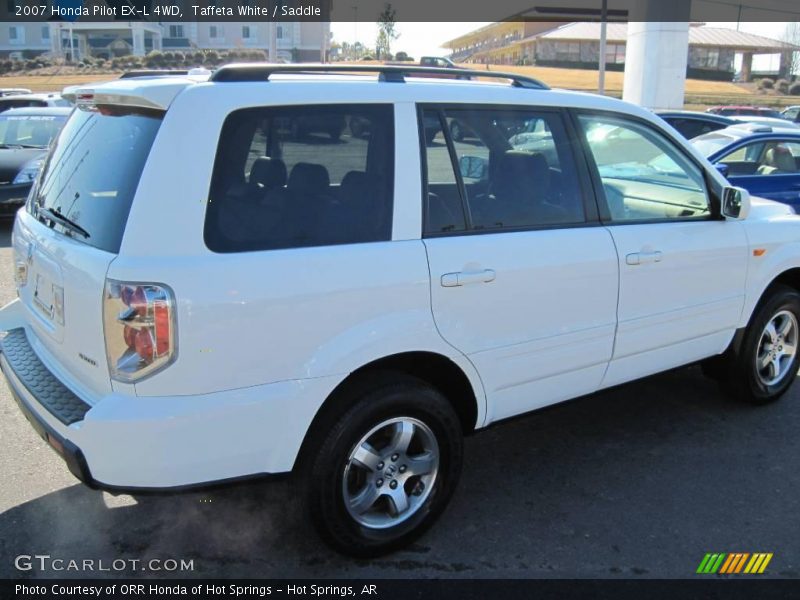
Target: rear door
{"type": "Point", "coordinates": [89, 179]}
{"type": "Point", "coordinates": [523, 281]}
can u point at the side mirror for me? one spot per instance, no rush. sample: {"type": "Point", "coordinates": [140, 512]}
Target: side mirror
{"type": "Point", "coordinates": [473, 167]}
{"type": "Point", "coordinates": [723, 168]}
{"type": "Point", "coordinates": [735, 203]}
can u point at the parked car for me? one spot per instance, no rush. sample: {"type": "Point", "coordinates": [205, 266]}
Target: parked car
{"type": "Point", "coordinates": [32, 100]}
{"type": "Point", "coordinates": [349, 312]}
{"type": "Point", "coordinates": [437, 61]}
{"type": "Point", "coordinates": [302, 127]}
{"type": "Point", "coordinates": [763, 160]}
{"type": "Point", "coordinates": [792, 114]}
{"type": "Point", "coordinates": [13, 91]}
{"type": "Point", "coordinates": [747, 111]}
{"type": "Point", "coordinates": [25, 134]}
{"type": "Point", "coordinates": [690, 124]}
{"type": "Point", "coordinates": [769, 121]}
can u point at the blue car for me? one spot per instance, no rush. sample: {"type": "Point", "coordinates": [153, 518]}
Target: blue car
{"type": "Point", "coordinates": [763, 160]}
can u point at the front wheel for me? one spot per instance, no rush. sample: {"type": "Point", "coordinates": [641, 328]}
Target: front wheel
{"type": "Point", "coordinates": [386, 468]}
{"type": "Point", "coordinates": [766, 362]}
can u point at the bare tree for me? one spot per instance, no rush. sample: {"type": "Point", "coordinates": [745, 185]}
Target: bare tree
{"type": "Point", "coordinates": [791, 35]}
{"type": "Point", "coordinates": [387, 33]}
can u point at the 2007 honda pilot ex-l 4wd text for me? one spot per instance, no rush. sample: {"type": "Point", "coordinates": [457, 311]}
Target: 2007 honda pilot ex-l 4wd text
{"type": "Point", "coordinates": [212, 285]}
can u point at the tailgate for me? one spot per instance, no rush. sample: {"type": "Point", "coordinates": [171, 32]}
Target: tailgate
{"type": "Point", "coordinates": [62, 293]}
{"type": "Point", "coordinates": [71, 230]}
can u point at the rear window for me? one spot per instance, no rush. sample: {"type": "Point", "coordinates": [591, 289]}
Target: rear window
{"type": "Point", "coordinates": [29, 131]}
{"type": "Point", "coordinates": [710, 143]}
{"type": "Point", "coordinates": [92, 171]}
{"type": "Point", "coordinates": [287, 177]}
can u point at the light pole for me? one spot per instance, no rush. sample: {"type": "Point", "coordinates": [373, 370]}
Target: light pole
{"type": "Point", "coordinates": [601, 83]}
{"type": "Point", "coordinates": [355, 23]}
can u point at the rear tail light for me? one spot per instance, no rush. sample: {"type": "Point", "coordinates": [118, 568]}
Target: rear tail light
{"type": "Point", "coordinates": [139, 320]}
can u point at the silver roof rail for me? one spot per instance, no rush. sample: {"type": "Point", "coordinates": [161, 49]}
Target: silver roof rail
{"type": "Point", "coordinates": [388, 73]}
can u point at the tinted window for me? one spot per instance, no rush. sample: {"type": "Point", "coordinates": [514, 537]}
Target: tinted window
{"type": "Point", "coordinates": [644, 175]}
{"type": "Point", "coordinates": [515, 168]}
{"type": "Point", "coordinates": [445, 208]}
{"type": "Point", "coordinates": [690, 128]}
{"type": "Point", "coordinates": [23, 103]}
{"type": "Point", "coordinates": [288, 177]}
{"type": "Point", "coordinates": [92, 172]}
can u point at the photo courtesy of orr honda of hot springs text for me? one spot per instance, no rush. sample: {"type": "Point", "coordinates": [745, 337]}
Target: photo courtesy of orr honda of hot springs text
{"type": "Point", "coordinates": [300, 269]}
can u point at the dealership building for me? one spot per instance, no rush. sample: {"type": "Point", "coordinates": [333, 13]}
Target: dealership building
{"type": "Point", "coordinates": [295, 41]}
{"type": "Point", "coordinates": [712, 51]}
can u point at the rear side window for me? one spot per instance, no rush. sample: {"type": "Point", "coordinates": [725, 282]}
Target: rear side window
{"type": "Point", "coordinates": [494, 169]}
{"type": "Point", "coordinates": [92, 172]}
{"type": "Point", "coordinates": [288, 177]}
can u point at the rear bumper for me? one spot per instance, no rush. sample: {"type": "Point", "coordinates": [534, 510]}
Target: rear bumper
{"type": "Point", "coordinates": [72, 455]}
{"type": "Point", "coordinates": [140, 444]}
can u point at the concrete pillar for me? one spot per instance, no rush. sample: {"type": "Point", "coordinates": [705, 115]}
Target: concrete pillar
{"type": "Point", "coordinates": [55, 40]}
{"type": "Point", "coordinates": [747, 66]}
{"type": "Point", "coordinates": [655, 64]}
{"type": "Point", "coordinates": [138, 40]}
{"type": "Point", "coordinates": [272, 54]}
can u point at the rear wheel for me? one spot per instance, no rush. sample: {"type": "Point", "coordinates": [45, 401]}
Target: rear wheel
{"type": "Point", "coordinates": [386, 468]}
{"type": "Point", "coordinates": [766, 361]}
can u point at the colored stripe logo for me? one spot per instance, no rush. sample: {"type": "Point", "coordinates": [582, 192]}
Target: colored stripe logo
{"type": "Point", "coordinates": [734, 563]}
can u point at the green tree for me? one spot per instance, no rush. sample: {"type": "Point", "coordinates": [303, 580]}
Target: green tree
{"type": "Point", "coordinates": [387, 32]}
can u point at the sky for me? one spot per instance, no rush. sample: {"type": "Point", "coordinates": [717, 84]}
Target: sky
{"type": "Point", "coordinates": [425, 39]}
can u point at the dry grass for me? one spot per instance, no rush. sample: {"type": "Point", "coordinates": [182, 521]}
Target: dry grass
{"type": "Point", "coordinates": [700, 94]}
{"type": "Point", "coordinates": [51, 83]}
{"type": "Point", "coordinates": [583, 79]}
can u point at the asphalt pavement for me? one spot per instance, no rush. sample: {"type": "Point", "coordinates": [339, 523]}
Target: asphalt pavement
{"type": "Point", "coordinates": [638, 481]}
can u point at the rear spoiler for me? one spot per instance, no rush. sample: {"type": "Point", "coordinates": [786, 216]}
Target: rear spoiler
{"type": "Point", "coordinates": [141, 93]}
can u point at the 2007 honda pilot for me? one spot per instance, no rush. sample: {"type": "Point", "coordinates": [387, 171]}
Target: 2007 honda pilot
{"type": "Point", "coordinates": [212, 285]}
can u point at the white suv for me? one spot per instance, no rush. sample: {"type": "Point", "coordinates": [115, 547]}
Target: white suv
{"type": "Point", "coordinates": [270, 271]}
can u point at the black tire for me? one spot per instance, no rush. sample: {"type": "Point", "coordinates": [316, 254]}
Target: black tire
{"type": "Point", "coordinates": [323, 468]}
{"type": "Point", "coordinates": [456, 131]}
{"type": "Point", "coordinates": [740, 374]}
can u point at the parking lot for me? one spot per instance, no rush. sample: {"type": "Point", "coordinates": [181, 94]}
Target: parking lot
{"type": "Point", "coordinates": [638, 481]}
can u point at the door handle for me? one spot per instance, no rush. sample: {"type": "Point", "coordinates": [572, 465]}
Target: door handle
{"type": "Point", "coordinates": [466, 277]}
{"type": "Point", "coordinates": [643, 258]}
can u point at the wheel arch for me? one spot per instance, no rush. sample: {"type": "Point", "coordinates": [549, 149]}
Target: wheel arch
{"type": "Point", "coordinates": [789, 277]}
{"type": "Point", "coordinates": [442, 372]}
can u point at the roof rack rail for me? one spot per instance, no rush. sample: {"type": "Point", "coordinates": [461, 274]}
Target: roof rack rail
{"type": "Point", "coordinates": [389, 73]}
{"type": "Point", "coordinates": [153, 73]}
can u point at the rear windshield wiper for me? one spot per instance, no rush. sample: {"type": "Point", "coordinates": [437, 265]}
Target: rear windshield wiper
{"type": "Point", "coordinates": [54, 214]}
